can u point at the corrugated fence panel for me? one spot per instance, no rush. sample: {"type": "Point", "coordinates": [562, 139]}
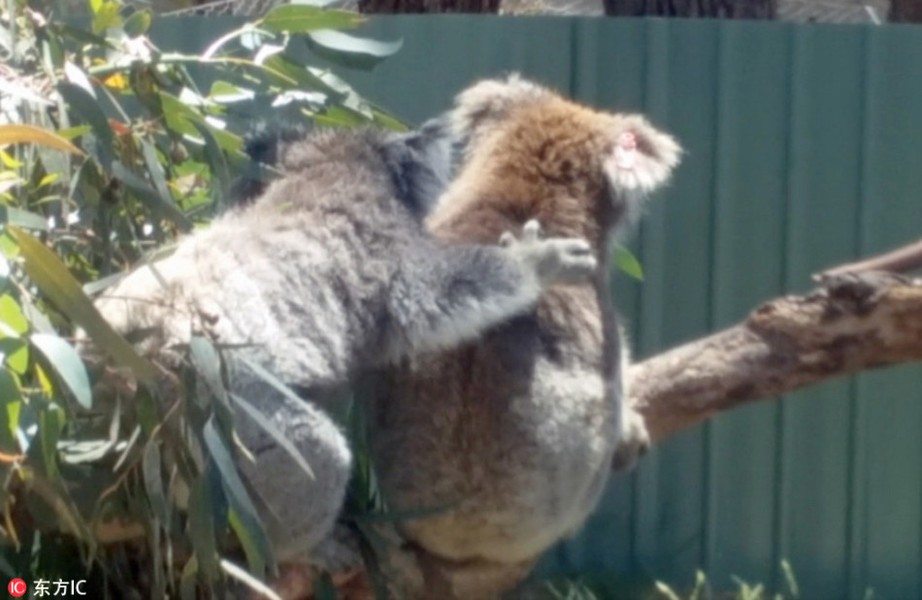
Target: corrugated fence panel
{"type": "Point", "coordinates": [802, 151]}
{"type": "Point", "coordinates": [892, 211]}
{"type": "Point", "coordinates": [823, 202]}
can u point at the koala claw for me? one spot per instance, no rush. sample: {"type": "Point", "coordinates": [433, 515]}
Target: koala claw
{"type": "Point", "coordinates": [553, 260]}
{"type": "Point", "coordinates": [633, 443]}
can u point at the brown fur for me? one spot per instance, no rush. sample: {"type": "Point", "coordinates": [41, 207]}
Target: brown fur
{"type": "Point", "coordinates": [509, 440]}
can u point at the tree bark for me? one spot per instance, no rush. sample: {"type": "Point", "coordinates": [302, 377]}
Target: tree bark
{"type": "Point", "coordinates": [905, 11]}
{"type": "Point", "coordinates": [853, 322]}
{"type": "Point", "coordinates": [717, 9]}
{"type": "Point", "coordinates": [429, 6]}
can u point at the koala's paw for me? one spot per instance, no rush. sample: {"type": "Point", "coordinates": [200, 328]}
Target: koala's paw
{"type": "Point", "coordinates": [553, 260]}
{"type": "Point", "coordinates": [633, 443]}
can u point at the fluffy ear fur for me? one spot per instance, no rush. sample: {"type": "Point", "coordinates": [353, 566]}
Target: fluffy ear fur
{"type": "Point", "coordinates": [642, 158]}
{"type": "Point", "coordinates": [489, 101]}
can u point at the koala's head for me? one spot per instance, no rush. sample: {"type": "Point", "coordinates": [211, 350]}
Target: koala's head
{"type": "Point", "coordinates": [522, 126]}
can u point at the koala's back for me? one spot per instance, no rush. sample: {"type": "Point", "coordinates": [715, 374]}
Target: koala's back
{"type": "Point", "coordinates": [512, 436]}
{"type": "Point", "coordinates": [508, 440]}
{"type": "Point", "coordinates": [298, 277]}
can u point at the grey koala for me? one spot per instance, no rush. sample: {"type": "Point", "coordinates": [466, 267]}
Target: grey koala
{"type": "Point", "coordinates": [326, 273]}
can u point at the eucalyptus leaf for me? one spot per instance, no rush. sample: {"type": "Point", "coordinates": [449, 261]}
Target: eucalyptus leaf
{"type": "Point", "coordinates": [83, 104]}
{"type": "Point", "coordinates": [155, 170]}
{"type": "Point", "coordinates": [51, 276]}
{"type": "Point", "coordinates": [164, 207]}
{"type": "Point", "coordinates": [81, 36]}
{"type": "Point", "coordinates": [9, 387]}
{"type": "Point", "coordinates": [105, 15]}
{"type": "Point", "coordinates": [11, 316]}
{"type": "Point", "coordinates": [298, 18]}
{"type": "Point", "coordinates": [65, 361]}
{"type": "Point", "coordinates": [207, 362]}
{"type": "Point", "coordinates": [16, 353]}
{"type": "Point", "coordinates": [22, 218]}
{"type": "Point", "coordinates": [275, 433]}
{"type": "Point", "coordinates": [153, 481]}
{"type": "Point", "coordinates": [201, 527]}
{"type": "Point", "coordinates": [349, 50]}
{"type": "Point", "coordinates": [17, 134]}
{"type": "Point", "coordinates": [243, 516]}
{"type": "Point", "coordinates": [76, 76]}
{"type": "Point", "coordinates": [215, 157]}
{"type": "Point", "coordinates": [628, 263]}
{"type": "Point", "coordinates": [50, 424]}
{"type": "Point", "coordinates": [138, 23]}
{"type": "Point", "coordinates": [188, 581]}
{"type": "Point", "coordinates": [10, 400]}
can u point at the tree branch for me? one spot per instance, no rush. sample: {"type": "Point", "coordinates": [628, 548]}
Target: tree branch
{"type": "Point", "coordinates": [851, 323]}
{"type": "Point", "coordinates": [902, 259]}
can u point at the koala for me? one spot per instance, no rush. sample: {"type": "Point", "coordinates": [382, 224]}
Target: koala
{"type": "Point", "coordinates": [501, 447]}
{"type": "Point", "coordinates": [326, 273]}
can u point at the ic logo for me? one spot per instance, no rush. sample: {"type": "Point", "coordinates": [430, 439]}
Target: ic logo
{"type": "Point", "coordinates": [17, 588]}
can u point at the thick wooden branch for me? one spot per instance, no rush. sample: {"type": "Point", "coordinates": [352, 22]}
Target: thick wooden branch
{"type": "Point", "coordinates": [851, 323]}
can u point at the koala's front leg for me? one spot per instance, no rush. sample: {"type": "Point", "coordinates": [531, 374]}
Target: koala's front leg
{"type": "Point", "coordinates": [552, 261]}
{"type": "Point", "coordinates": [443, 295]}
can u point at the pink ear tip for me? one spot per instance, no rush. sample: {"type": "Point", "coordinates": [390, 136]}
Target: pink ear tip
{"type": "Point", "coordinates": [627, 140]}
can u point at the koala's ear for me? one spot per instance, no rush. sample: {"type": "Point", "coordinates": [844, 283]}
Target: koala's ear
{"type": "Point", "coordinates": [489, 101]}
{"type": "Point", "coordinates": [642, 158]}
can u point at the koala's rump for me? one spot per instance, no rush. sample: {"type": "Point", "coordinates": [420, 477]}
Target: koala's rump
{"type": "Point", "coordinates": [504, 445]}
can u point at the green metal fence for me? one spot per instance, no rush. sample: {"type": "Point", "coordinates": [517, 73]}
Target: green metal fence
{"type": "Point", "coordinates": [802, 151]}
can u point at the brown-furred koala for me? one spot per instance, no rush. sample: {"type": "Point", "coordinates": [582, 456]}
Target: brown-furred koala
{"type": "Point", "coordinates": [502, 447]}
{"type": "Point", "coordinates": [327, 273]}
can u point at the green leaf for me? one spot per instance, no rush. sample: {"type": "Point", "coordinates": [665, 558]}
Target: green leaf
{"type": "Point", "coordinates": [138, 23]}
{"type": "Point", "coordinates": [22, 218]}
{"type": "Point", "coordinates": [155, 170]}
{"type": "Point", "coordinates": [349, 50]}
{"type": "Point", "coordinates": [275, 433]}
{"type": "Point", "coordinates": [628, 263]}
{"type": "Point", "coordinates": [51, 276]}
{"type": "Point", "coordinates": [11, 316]}
{"type": "Point", "coordinates": [243, 516]}
{"type": "Point", "coordinates": [340, 116]}
{"type": "Point", "coordinates": [215, 156]}
{"type": "Point", "coordinates": [184, 120]}
{"type": "Point", "coordinates": [189, 579]}
{"type": "Point", "coordinates": [105, 15]}
{"type": "Point", "coordinates": [76, 76]}
{"type": "Point", "coordinates": [163, 207]}
{"type": "Point", "coordinates": [9, 388]}
{"type": "Point", "coordinates": [295, 18]}
{"type": "Point", "coordinates": [67, 364]}
{"type": "Point", "coordinates": [10, 402]}
{"type": "Point", "coordinates": [207, 363]}
{"type": "Point", "coordinates": [18, 134]}
{"type": "Point", "coordinates": [84, 105]}
{"type": "Point", "coordinates": [153, 482]}
{"type": "Point", "coordinates": [201, 527]}
{"type": "Point", "coordinates": [16, 351]}
{"type": "Point", "coordinates": [50, 425]}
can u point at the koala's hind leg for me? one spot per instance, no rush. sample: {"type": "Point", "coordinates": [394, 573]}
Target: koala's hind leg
{"type": "Point", "coordinates": [446, 294]}
{"type": "Point", "coordinates": [298, 501]}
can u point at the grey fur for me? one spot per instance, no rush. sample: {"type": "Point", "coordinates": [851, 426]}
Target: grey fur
{"type": "Point", "coordinates": [326, 274]}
